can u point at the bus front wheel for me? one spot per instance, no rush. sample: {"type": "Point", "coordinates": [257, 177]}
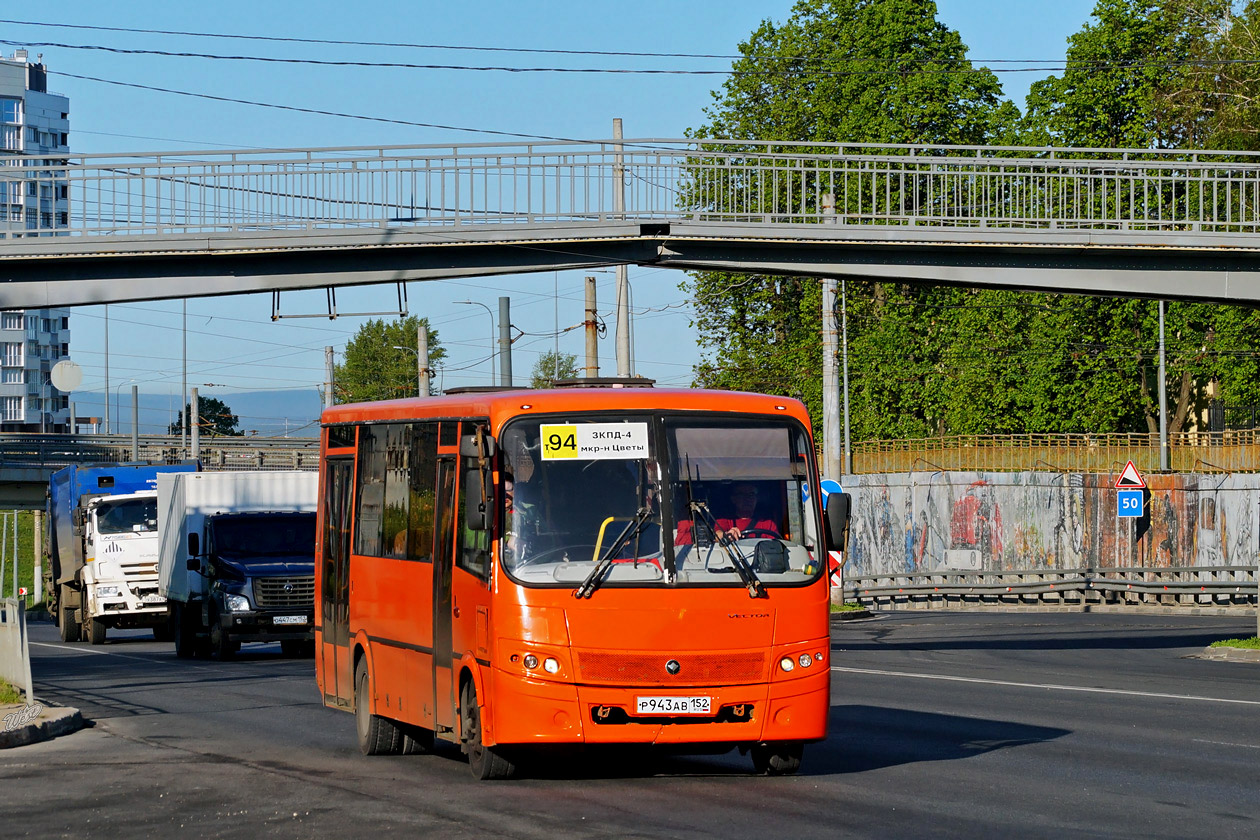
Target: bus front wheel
{"type": "Point", "coordinates": [779, 759]}
{"type": "Point", "coordinates": [485, 762]}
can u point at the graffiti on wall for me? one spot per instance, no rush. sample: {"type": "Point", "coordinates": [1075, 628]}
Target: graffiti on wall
{"type": "Point", "coordinates": [907, 523]}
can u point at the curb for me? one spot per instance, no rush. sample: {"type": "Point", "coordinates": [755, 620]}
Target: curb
{"type": "Point", "coordinates": [51, 722]}
{"type": "Point", "coordinates": [1230, 654]}
{"type": "Point", "coordinates": [850, 615]}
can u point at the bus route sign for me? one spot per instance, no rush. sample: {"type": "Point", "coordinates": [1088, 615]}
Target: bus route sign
{"type": "Point", "coordinates": [594, 441]}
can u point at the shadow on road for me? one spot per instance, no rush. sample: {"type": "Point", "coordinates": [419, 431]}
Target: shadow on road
{"type": "Point", "coordinates": [869, 737]}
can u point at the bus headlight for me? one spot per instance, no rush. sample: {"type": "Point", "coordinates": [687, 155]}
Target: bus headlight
{"type": "Point", "coordinates": [550, 665]}
{"type": "Point", "coordinates": [787, 663]}
{"type": "Point", "coordinates": [531, 661]}
{"type": "Point", "coordinates": [235, 603]}
{"type": "Point", "coordinates": [805, 659]}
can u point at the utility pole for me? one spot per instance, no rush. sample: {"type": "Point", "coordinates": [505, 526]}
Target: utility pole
{"type": "Point", "coordinates": [505, 342]}
{"type": "Point", "coordinates": [831, 379]}
{"type": "Point", "coordinates": [328, 377]}
{"type": "Point", "coordinates": [623, 280]}
{"type": "Point", "coordinates": [1163, 400]}
{"type": "Point", "coordinates": [135, 422]}
{"type": "Point", "coordinates": [194, 423]}
{"type": "Point", "coordinates": [422, 358]}
{"type": "Point", "coordinates": [592, 332]}
{"type": "Point", "coordinates": [844, 345]}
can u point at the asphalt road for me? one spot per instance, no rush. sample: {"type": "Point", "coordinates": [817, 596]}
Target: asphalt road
{"type": "Point", "coordinates": [943, 725]}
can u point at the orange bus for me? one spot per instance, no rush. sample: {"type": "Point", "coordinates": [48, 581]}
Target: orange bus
{"type": "Point", "coordinates": [514, 570]}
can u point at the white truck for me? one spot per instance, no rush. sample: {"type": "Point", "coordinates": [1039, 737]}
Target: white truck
{"type": "Point", "coordinates": [101, 569]}
{"type": "Point", "coordinates": [237, 559]}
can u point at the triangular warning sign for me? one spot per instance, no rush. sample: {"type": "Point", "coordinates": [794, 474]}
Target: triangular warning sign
{"type": "Point", "coordinates": [1130, 479]}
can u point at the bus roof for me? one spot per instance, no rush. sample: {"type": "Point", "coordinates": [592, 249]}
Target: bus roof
{"type": "Point", "coordinates": [498, 405]}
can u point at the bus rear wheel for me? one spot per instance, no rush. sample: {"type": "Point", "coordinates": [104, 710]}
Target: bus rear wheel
{"type": "Point", "coordinates": [377, 735]}
{"type": "Point", "coordinates": [777, 759]}
{"type": "Point", "coordinates": [485, 762]}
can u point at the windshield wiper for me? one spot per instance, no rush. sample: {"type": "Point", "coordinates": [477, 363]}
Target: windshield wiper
{"type": "Point", "coordinates": [738, 561]}
{"type": "Point", "coordinates": [632, 529]}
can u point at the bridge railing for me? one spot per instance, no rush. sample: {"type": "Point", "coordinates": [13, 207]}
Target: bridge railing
{"type": "Point", "coordinates": [37, 451]}
{"type": "Point", "coordinates": [964, 187]}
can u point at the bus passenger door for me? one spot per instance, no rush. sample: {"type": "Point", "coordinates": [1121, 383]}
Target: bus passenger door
{"type": "Point", "coordinates": [443, 565]}
{"type": "Point", "coordinates": [335, 584]}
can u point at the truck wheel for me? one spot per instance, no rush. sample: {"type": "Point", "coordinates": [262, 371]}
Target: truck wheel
{"type": "Point", "coordinates": [67, 624]}
{"type": "Point", "coordinates": [485, 762]}
{"type": "Point", "coordinates": [377, 735]}
{"type": "Point", "coordinates": [95, 631]}
{"type": "Point", "coordinates": [221, 645]}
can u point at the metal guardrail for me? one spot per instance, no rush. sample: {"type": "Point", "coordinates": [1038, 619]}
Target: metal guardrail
{"type": "Point", "coordinates": [963, 187]}
{"type": "Point", "coordinates": [1189, 452]}
{"type": "Point", "coordinates": [1184, 587]}
{"type": "Point", "coordinates": [36, 451]}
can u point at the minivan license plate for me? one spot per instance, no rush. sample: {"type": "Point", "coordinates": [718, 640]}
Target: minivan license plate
{"type": "Point", "coordinates": [672, 705]}
{"type": "Point", "coordinates": [289, 619]}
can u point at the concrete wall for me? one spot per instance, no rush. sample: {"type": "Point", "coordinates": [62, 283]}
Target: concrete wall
{"type": "Point", "coordinates": [905, 523]}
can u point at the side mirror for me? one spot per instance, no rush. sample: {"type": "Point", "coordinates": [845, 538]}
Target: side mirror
{"type": "Point", "coordinates": [194, 565]}
{"type": "Point", "coordinates": [468, 446]}
{"type": "Point", "coordinates": [194, 545]}
{"type": "Point", "coordinates": [478, 514]}
{"type": "Point", "coordinates": [838, 505]}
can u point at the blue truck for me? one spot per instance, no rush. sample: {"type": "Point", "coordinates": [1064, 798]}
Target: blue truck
{"type": "Point", "coordinates": [100, 571]}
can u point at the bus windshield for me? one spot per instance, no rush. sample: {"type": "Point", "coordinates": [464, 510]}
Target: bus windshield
{"type": "Point", "coordinates": [694, 500]}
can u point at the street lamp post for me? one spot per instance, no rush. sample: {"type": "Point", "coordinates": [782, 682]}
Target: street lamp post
{"type": "Point", "coordinates": [492, 336]}
{"type": "Point", "coordinates": [117, 403]}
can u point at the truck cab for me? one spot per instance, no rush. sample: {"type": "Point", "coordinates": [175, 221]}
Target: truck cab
{"type": "Point", "coordinates": [120, 570]}
{"type": "Point", "coordinates": [255, 573]}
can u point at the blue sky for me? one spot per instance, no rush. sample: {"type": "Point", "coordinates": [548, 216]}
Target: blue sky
{"type": "Point", "coordinates": [232, 343]}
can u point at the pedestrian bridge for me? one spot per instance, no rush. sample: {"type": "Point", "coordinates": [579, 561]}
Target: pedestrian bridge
{"type": "Point", "coordinates": [186, 224]}
{"type": "Point", "coordinates": [28, 460]}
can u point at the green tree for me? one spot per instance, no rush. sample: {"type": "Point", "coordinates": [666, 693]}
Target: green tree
{"type": "Point", "coordinates": [1217, 93]}
{"type": "Point", "coordinates": [214, 418]}
{"type": "Point", "coordinates": [1119, 67]}
{"type": "Point", "coordinates": [379, 362]}
{"type": "Point", "coordinates": [840, 71]}
{"type": "Point", "coordinates": [553, 365]}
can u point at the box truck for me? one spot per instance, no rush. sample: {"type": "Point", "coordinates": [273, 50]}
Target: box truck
{"type": "Point", "coordinates": [237, 559]}
{"type": "Point", "coordinates": [101, 563]}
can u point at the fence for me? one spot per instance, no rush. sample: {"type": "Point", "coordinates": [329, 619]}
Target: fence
{"type": "Point", "coordinates": [961, 187]}
{"type": "Point", "coordinates": [15, 654]}
{"type": "Point", "coordinates": [1052, 539]}
{"type": "Point", "coordinates": [1189, 452]}
{"type": "Point", "coordinates": [1203, 588]}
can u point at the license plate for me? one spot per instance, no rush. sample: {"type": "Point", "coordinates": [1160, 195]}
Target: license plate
{"type": "Point", "coordinates": [672, 705]}
{"type": "Point", "coordinates": [289, 619]}
{"type": "Point", "coordinates": [153, 599]}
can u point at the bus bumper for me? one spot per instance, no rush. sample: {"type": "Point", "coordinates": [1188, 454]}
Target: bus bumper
{"type": "Point", "coordinates": [530, 711]}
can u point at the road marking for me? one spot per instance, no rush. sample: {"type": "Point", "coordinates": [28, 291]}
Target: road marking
{"type": "Point", "coordinates": [1045, 686]}
{"type": "Point", "coordinates": [89, 650]}
{"type": "Point", "coordinates": [1228, 744]}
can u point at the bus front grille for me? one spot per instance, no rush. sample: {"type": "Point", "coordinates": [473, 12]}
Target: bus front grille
{"type": "Point", "coordinates": [284, 591]}
{"type": "Point", "coordinates": [649, 669]}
